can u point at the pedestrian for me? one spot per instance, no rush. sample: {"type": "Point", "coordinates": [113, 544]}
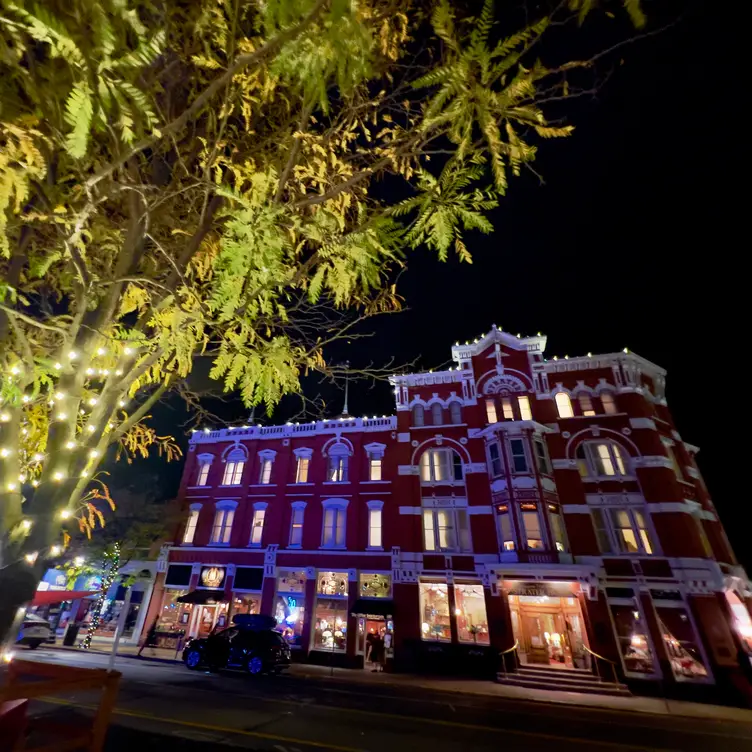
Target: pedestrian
{"type": "Point", "coordinates": [369, 646]}
{"type": "Point", "coordinates": [377, 651]}
{"type": "Point", "coordinates": [150, 641]}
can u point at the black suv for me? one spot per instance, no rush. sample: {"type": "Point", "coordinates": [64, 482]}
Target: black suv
{"type": "Point", "coordinates": [248, 645]}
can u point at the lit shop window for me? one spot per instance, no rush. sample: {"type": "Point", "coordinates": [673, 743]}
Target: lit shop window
{"type": "Point", "coordinates": [190, 526]}
{"type": "Point", "coordinates": [246, 604]}
{"type": "Point", "coordinates": [233, 473]}
{"type": "Point", "coordinates": [586, 405]}
{"type": "Point", "coordinates": [634, 645]}
{"type": "Point", "coordinates": [506, 408]}
{"type": "Point", "coordinates": [223, 519]}
{"type": "Point", "coordinates": [440, 466]}
{"type": "Point", "coordinates": [470, 611]}
{"type": "Point", "coordinates": [173, 614]}
{"type": "Point", "coordinates": [446, 530]}
{"type": "Point", "coordinates": [622, 531]}
{"type": "Point", "coordinates": [525, 411]}
{"type": "Point", "coordinates": [532, 524]}
{"type": "Point", "coordinates": [541, 456]}
{"type": "Point", "coordinates": [564, 405]}
{"type": "Point", "coordinates": [296, 524]}
{"type": "Point", "coordinates": [455, 412]}
{"type": "Point", "coordinates": [682, 646]}
{"type": "Point", "coordinates": [301, 469]}
{"type": "Point", "coordinates": [289, 605]}
{"type": "Point", "coordinates": [374, 524]}
{"type": "Point", "coordinates": [602, 459]}
{"type": "Point", "coordinates": [495, 457]}
{"type": "Point", "coordinates": [330, 617]}
{"type": "Point", "coordinates": [519, 456]}
{"type": "Point", "coordinates": [257, 526]}
{"type": "Point", "coordinates": [419, 415]}
{"type": "Point", "coordinates": [506, 532]}
{"type": "Point", "coordinates": [609, 405]}
{"type": "Point", "coordinates": [491, 411]}
{"type": "Point", "coordinates": [437, 414]}
{"type": "Point", "coordinates": [557, 528]}
{"type": "Point", "coordinates": [374, 585]}
{"type": "Point", "coordinates": [434, 611]}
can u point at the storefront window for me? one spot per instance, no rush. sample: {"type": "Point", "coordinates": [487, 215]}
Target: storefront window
{"type": "Point", "coordinates": [742, 619]}
{"type": "Point", "coordinates": [332, 583]}
{"type": "Point", "coordinates": [330, 625]}
{"type": "Point", "coordinates": [434, 611]}
{"type": "Point", "coordinates": [291, 581]}
{"type": "Point", "coordinates": [683, 650]}
{"type": "Point", "coordinates": [375, 585]}
{"type": "Point", "coordinates": [631, 632]}
{"type": "Point", "coordinates": [173, 615]}
{"type": "Point", "coordinates": [470, 610]}
{"type": "Point", "coordinates": [289, 611]}
{"type": "Point", "coordinates": [246, 604]}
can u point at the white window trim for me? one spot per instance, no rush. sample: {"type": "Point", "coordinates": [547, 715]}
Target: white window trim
{"type": "Point", "coordinates": [611, 530]}
{"type": "Point", "coordinates": [449, 481]}
{"type": "Point", "coordinates": [224, 473]}
{"type": "Point", "coordinates": [203, 459]}
{"type": "Point", "coordinates": [302, 453]}
{"type": "Point", "coordinates": [196, 507]}
{"type": "Point", "coordinates": [510, 456]}
{"type": "Point", "coordinates": [340, 504]}
{"type": "Point", "coordinates": [295, 506]}
{"type": "Point", "coordinates": [556, 403]}
{"type": "Point", "coordinates": [627, 459]}
{"type": "Point", "coordinates": [223, 505]}
{"type": "Point", "coordinates": [258, 506]}
{"type": "Point", "coordinates": [454, 508]}
{"type": "Point", "coordinates": [374, 505]}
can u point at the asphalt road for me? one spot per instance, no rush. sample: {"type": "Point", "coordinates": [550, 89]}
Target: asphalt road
{"type": "Point", "coordinates": [167, 707]}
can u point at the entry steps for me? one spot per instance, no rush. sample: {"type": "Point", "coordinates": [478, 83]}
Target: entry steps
{"type": "Point", "coordinates": [534, 676]}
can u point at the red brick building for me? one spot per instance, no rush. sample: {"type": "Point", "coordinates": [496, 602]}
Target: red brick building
{"type": "Point", "coordinates": [512, 500]}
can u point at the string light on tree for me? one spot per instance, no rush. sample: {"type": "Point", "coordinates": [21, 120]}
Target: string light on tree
{"type": "Point", "coordinates": [112, 562]}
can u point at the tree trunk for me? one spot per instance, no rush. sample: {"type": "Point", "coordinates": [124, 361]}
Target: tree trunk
{"type": "Point", "coordinates": [18, 584]}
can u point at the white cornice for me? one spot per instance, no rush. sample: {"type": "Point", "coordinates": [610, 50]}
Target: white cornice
{"type": "Point", "coordinates": [462, 352]}
{"type": "Point", "coordinates": [607, 360]}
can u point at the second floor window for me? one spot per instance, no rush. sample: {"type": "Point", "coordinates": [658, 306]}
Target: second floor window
{"type": "Point", "coordinates": [532, 523]}
{"type": "Point", "coordinates": [296, 525]}
{"type": "Point", "coordinates": [222, 527]}
{"type": "Point", "coordinates": [257, 526]}
{"type": "Point", "coordinates": [190, 526]}
{"type": "Point", "coordinates": [525, 411]}
{"type": "Point", "coordinates": [233, 473]}
{"type": "Point", "coordinates": [491, 411]}
{"type": "Point", "coordinates": [265, 473]}
{"type": "Point", "coordinates": [437, 414]}
{"type": "Point", "coordinates": [495, 456]}
{"type": "Point", "coordinates": [337, 468]}
{"type": "Point", "coordinates": [564, 405]}
{"type": "Point", "coordinates": [604, 459]}
{"type": "Point", "coordinates": [333, 534]}
{"type": "Point", "coordinates": [374, 468]}
{"type": "Point", "coordinates": [446, 530]}
{"type": "Point", "coordinates": [202, 477]}
{"type": "Point", "coordinates": [440, 466]}
{"type": "Point", "coordinates": [301, 470]}
{"type": "Point", "coordinates": [623, 531]}
{"type": "Point", "coordinates": [541, 456]}
{"type": "Point", "coordinates": [519, 455]}
{"type": "Point", "coordinates": [374, 526]}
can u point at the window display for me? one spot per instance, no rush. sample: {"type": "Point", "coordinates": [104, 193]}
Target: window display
{"type": "Point", "coordinates": [291, 581]}
{"type": "Point", "coordinates": [332, 583]}
{"type": "Point", "coordinates": [330, 625]}
{"type": "Point", "coordinates": [434, 611]}
{"type": "Point", "coordinates": [375, 585]}
{"type": "Point", "coordinates": [172, 611]}
{"type": "Point", "coordinates": [246, 604]}
{"type": "Point", "coordinates": [631, 632]}
{"type": "Point", "coordinates": [682, 646]}
{"type": "Point", "coordinates": [470, 609]}
{"type": "Point", "coordinates": [289, 611]}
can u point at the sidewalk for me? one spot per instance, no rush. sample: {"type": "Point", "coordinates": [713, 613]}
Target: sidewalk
{"type": "Point", "coordinates": [634, 704]}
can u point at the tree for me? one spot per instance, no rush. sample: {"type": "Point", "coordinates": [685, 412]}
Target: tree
{"type": "Point", "coordinates": [198, 179]}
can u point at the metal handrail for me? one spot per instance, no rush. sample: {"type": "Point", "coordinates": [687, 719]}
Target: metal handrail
{"type": "Point", "coordinates": [503, 655]}
{"type": "Point", "coordinates": [603, 658]}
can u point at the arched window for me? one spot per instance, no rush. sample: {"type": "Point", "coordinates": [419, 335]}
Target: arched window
{"type": "Point", "coordinates": [564, 405]}
{"type": "Point", "coordinates": [437, 414]}
{"type": "Point", "coordinates": [419, 418]}
{"type": "Point", "coordinates": [602, 459]}
{"type": "Point", "coordinates": [609, 405]}
{"type": "Point", "coordinates": [455, 412]}
{"type": "Point", "coordinates": [338, 456]}
{"type": "Point", "coordinates": [235, 461]}
{"type": "Point", "coordinates": [440, 466]}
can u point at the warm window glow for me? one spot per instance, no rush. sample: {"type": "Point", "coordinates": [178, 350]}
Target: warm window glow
{"type": "Point", "coordinates": [203, 473]}
{"type": "Point", "coordinates": [301, 470]}
{"type": "Point", "coordinates": [233, 473]}
{"type": "Point", "coordinates": [446, 530]}
{"type": "Point", "coordinates": [607, 400]}
{"type": "Point", "coordinates": [374, 468]}
{"type": "Point", "coordinates": [470, 610]}
{"type": "Point", "coordinates": [533, 534]}
{"type": "Point", "coordinates": [190, 527]}
{"type": "Point", "coordinates": [334, 527]}
{"type": "Point", "coordinates": [374, 528]}
{"type": "Point", "coordinates": [602, 459]}
{"type": "Point", "coordinates": [525, 412]}
{"type": "Point", "coordinates": [506, 408]}
{"type": "Point", "coordinates": [222, 525]}
{"type": "Point", "coordinates": [265, 473]}
{"type": "Point", "coordinates": [586, 405]}
{"type": "Point", "coordinates": [440, 466]}
{"type": "Point", "coordinates": [564, 405]}
{"type": "Point", "coordinates": [505, 531]}
{"type": "Point", "coordinates": [296, 526]}
{"type": "Point", "coordinates": [622, 531]}
{"type": "Point", "coordinates": [257, 528]}
{"type": "Point", "coordinates": [491, 411]}
{"type": "Point", "coordinates": [338, 468]}
{"type": "Point", "coordinates": [434, 611]}
{"type": "Point", "coordinates": [455, 412]}
{"type": "Point", "coordinates": [519, 456]}
{"type": "Point", "coordinates": [557, 530]}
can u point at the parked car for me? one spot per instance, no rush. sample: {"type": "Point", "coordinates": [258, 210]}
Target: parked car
{"type": "Point", "coordinates": [249, 645]}
{"type": "Point", "coordinates": [34, 631]}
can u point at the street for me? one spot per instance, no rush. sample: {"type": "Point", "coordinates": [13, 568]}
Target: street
{"type": "Point", "coordinates": [200, 711]}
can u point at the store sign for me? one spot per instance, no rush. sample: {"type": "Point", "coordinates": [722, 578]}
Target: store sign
{"type": "Point", "coordinates": [539, 589]}
{"type": "Point", "coordinates": [332, 583]}
{"type": "Point", "coordinates": [212, 577]}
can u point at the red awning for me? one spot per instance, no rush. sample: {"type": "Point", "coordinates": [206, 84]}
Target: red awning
{"type": "Point", "coordinates": [46, 597]}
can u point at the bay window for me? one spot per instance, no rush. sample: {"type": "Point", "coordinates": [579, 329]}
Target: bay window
{"type": "Point", "coordinates": [296, 524]}
{"type": "Point", "coordinates": [506, 408]}
{"type": "Point", "coordinates": [602, 459]}
{"type": "Point", "coordinates": [495, 456]}
{"type": "Point", "coordinates": [622, 530]}
{"type": "Point", "coordinates": [557, 528]}
{"type": "Point", "coordinates": [446, 529]}
{"type": "Point", "coordinates": [440, 466]}
{"type": "Point", "coordinates": [506, 529]}
{"type": "Point", "coordinates": [564, 405]}
{"type": "Point", "coordinates": [532, 524]}
{"type": "Point", "coordinates": [491, 411]}
{"type": "Point", "coordinates": [330, 616]}
{"type": "Point", "coordinates": [257, 526]}
{"type": "Point", "coordinates": [541, 456]}
{"type": "Point", "coordinates": [519, 456]}
{"type": "Point", "coordinates": [223, 519]}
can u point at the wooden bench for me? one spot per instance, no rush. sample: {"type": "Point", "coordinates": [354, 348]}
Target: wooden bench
{"type": "Point", "coordinates": [29, 680]}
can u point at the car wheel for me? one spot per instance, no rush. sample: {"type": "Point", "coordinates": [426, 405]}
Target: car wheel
{"type": "Point", "coordinates": [193, 659]}
{"type": "Point", "coordinates": [34, 644]}
{"type": "Point", "coordinates": [254, 665]}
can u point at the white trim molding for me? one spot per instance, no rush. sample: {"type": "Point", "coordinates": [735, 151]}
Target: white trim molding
{"type": "Point", "coordinates": [643, 423]}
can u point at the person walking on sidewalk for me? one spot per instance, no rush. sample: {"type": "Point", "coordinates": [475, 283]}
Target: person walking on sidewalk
{"type": "Point", "coordinates": [150, 641]}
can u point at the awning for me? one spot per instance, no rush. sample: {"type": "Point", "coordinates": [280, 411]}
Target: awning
{"type": "Point", "coordinates": [47, 597]}
{"type": "Point", "coordinates": [376, 607]}
{"type": "Point", "coordinates": [203, 597]}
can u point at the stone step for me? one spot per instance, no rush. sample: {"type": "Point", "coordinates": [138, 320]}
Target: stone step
{"type": "Point", "coordinates": [585, 687]}
{"type": "Point", "coordinates": [554, 673]}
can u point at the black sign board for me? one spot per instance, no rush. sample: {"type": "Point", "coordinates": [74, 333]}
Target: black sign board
{"type": "Point", "coordinates": [178, 575]}
{"type": "Point", "coordinates": [248, 578]}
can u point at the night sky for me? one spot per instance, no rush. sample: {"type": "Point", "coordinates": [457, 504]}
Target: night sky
{"type": "Point", "coordinates": [630, 242]}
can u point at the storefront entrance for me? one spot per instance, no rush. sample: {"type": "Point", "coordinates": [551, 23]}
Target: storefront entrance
{"type": "Point", "coordinates": [375, 639]}
{"type": "Point", "coordinates": [549, 630]}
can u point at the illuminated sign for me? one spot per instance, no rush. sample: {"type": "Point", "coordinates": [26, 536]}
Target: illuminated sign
{"type": "Point", "coordinates": [212, 577]}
